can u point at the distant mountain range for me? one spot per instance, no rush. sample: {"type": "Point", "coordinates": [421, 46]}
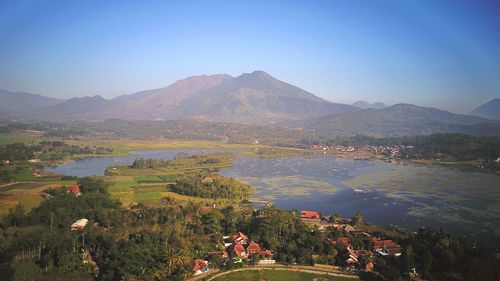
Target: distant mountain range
{"type": "Point", "coordinates": [254, 98]}
{"type": "Point", "coordinates": [366, 105]}
{"type": "Point", "coordinates": [490, 110]}
{"type": "Point", "coordinates": [251, 98]}
{"type": "Point", "coordinates": [24, 103]}
{"type": "Point", "coordinates": [402, 120]}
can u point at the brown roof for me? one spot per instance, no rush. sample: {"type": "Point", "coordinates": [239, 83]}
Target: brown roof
{"type": "Point", "coordinates": [237, 236]}
{"type": "Point", "coordinates": [73, 189]}
{"type": "Point", "coordinates": [239, 250]}
{"type": "Point", "coordinates": [369, 266]}
{"type": "Point", "coordinates": [200, 265]}
{"type": "Point", "coordinates": [253, 248]}
{"type": "Point", "coordinates": [305, 214]}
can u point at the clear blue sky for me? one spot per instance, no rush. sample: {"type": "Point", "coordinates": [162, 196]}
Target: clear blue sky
{"type": "Point", "coordinates": [443, 53]}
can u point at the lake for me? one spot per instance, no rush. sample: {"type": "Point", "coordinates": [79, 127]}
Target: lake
{"type": "Point", "coordinates": [464, 202]}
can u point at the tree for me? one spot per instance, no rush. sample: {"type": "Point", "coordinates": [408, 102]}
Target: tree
{"type": "Point", "coordinates": [357, 218]}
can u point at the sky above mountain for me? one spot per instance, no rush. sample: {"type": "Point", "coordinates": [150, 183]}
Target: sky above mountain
{"type": "Point", "coordinates": [442, 53]}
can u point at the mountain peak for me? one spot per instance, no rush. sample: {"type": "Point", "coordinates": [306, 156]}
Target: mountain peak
{"type": "Point", "coordinates": [256, 74]}
{"type": "Point", "coordinates": [489, 110]}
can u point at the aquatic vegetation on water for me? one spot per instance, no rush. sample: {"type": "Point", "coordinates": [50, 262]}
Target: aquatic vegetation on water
{"type": "Point", "coordinates": [276, 187]}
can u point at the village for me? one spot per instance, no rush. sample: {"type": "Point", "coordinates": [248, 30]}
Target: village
{"type": "Point", "coordinates": [356, 249]}
{"type": "Point", "coordinates": [364, 152]}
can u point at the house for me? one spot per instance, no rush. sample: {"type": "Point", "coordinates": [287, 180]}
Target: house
{"type": "Point", "coordinates": [200, 266]}
{"type": "Point", "coordinates": [239, 251]}
{"type": "Point", "coordinates": [79, 224]}
{"type": "Point", "coordinates": [386, 247]}
{"type": "Point", "coordinates": [344, 241]}
{"type": "Point", "coordinates": [345, 227]}
{"type": "Point", "coordinates": [238, 237]}
{"type": "Point", "coordinates": [353, 258]}
{"type": "Point", "coordinates": [305, 214]}
{"type": "Point", "coordinates": [364, 253]}
{"type": "Point", "coordinates": [253, 248]}
{"type": "Point", "coordinates": [73, 189]}
{"type": "Point", "coordinates": [369, 266]}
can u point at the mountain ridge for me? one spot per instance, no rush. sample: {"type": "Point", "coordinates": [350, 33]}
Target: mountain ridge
{"type": "Point", "coordinates": [489, 110]}
{"type": "Point", "coordinates": [402, 120]}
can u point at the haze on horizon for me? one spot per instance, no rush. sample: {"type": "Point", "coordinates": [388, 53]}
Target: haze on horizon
{"type": "Point", "coordinates": [442, 53]}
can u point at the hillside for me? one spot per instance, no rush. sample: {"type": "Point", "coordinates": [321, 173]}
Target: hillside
{"type": "Point", "coordinates": [402, 120]}
{"type": "Point", "coordinates": [489, 110]}
{"type": "Point", "coordinates": [16, 102]}
{"type": "Point", "coordinates": [258, 98]}
{"type": "Point", "coordinates": [251, 98]}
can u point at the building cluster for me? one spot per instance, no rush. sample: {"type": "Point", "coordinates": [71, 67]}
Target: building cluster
{"type": "Point", "coordinates": [238, 247]}
{"type": "Point", "coordinates": [241, 248]}
{"type": "Point", "coordinates": [361, 256]}
{"type": "Point", "coordinates": [313, 219]}
{"type": "Point", "coordinates": [391, 151]}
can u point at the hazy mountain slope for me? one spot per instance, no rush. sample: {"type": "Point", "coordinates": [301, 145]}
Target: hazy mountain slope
{"type": "Point", "coordinates": [163, 102]}
{"type": "Point", "coordinates": [251, 98]}
{"type": "Point", "coordinates": [489, 110]}
{"type": "Point", "coordinates": [73, 108]}
{"type": "Point", "coordinates": [366, 105]}
{"type": "Point", "coordinates": [401, 120]}
{"type": "Point", "coordinates": [14, 102]}
{"type": "Point", "coordinates": [258, 98]}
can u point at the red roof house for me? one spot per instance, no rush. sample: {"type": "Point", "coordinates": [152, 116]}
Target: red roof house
{"type": "Point", "coordinates": [239, 251]}
{"type": "Point", "coordinates": [238, 236]}
{"type": "Point", "coordinates": [369, 266]}
{"type": "Point", "coordinates": [253, 248]}
{"type": "Point", "coordinates": [386, 246]}
{"type": "Point", "coordinates": [344, 241]}
{"type": "Point", "coordinates": [73, 189]}
{"type": "Point", "coordinates": [266, 253]}
{"type": "Point", "coordinates": [309, 214]}
{"type": "Point", "coordinates": [200, 266]}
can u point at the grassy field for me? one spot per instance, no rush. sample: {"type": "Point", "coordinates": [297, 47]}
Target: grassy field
{"type": "Point", "coordinates": [29, 194]}
{"type": "Point", "coordinates": [123, 146]}
{"type": "Point", "coordinates": [275, 152]}
{"type": "Point", "coordinates": [21, 136]}
{"type": "Point", "coordinates": [278, 275]}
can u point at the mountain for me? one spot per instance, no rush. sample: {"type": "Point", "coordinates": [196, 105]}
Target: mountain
{"type": "Point", "coordinates": [258, 98]}
{"type": "Point", "coordinates": [23, 103]}
{"type": "Point", "coordinates": [73, 108]}
{"type": "Point", "coordinates": [489, 110]}
{"type": "Point", "coordinates": [366, 105]}
{"type": "Point", "coordinates": [251, 98]}
{"type": "Point", "coordinates": [401, 120]}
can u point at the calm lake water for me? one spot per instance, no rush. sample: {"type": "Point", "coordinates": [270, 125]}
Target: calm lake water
{"type": "Point", "coordinates": [409, 196]}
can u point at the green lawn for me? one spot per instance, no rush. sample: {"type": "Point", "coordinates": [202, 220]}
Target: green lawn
{"type": "Point", "coordinates": [246, 275]}
{"type": "Point", "coordinates": [310, 277]}
{"type": "Point", "coordinates": [148, 179]}
{"type": "Point", "coordinates": [121, 186]}
{"type": "Point", "coordinates": [18, 137]}
{"type": "Point", "coordinates": [279, 275]}
{"type": "Point", "coordinates": [169, 178]}
{"type": "Point", "coordinates": [147, 197]}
